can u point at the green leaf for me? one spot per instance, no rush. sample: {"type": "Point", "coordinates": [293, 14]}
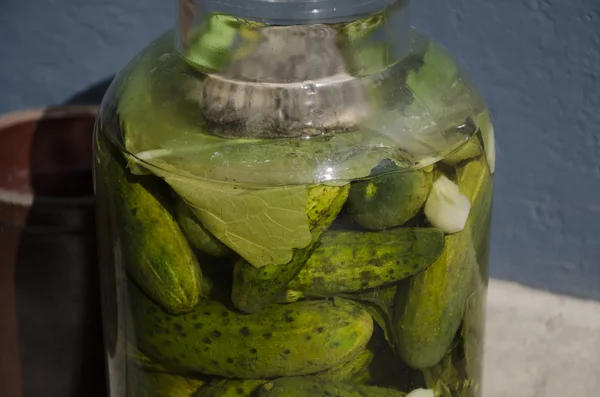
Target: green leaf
{"type": "Point", "coordinates": [339, 157]}
{"type": "Point", "coordinates": [211, 45]}
{"type": "Point", "coordinates": [438, 120]}
{"type": "Point", "coordinates": [436, 78]}
{"type": "Point", "coordinates": [447, 378]}
{"type": "Point", "coordinates": [261, 225]}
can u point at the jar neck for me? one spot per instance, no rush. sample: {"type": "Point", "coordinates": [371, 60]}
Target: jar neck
{"type": "Point", "coordinates": [380, 28]}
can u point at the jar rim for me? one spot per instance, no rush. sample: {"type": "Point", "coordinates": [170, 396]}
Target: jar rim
{"type": "Point", "coordinates": [288, 12]}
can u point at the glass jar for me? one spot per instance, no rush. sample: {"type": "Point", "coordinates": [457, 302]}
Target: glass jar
{"type": "Point", "coordinates": [294, 200]}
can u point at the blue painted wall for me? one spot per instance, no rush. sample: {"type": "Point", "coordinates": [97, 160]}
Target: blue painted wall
{"type": "Point", "coordinates": [537, 62]}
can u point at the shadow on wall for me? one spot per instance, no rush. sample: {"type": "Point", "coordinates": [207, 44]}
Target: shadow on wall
{"type": "Point", "coordinates": [51, 333]}
{"type": "Point", "coordinates": [92, 95]}
{"type": "Point", "coordinates": [56, 274]}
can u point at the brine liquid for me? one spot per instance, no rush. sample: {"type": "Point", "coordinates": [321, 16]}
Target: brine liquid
{"type": "Point", "coordinates": [378, 296]}
{"type": "Point", "coordinates": [297, 211]}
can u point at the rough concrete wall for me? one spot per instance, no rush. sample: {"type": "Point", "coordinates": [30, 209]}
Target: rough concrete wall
{"type": "Point", "coordinates": [537, 62]}
{"type": "Point", "coordinates": [51, 50]}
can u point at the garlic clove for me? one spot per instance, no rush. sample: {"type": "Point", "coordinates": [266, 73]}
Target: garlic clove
{"type": "Point", "coordinates": [421, 393]}
{"type": "Point", "coordinates": [447, 208]}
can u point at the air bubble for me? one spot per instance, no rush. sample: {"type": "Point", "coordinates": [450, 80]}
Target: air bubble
{"type": "Point", "coordinates": [317, 112]}
{"type": "Point", "coordinates": [309, 88]}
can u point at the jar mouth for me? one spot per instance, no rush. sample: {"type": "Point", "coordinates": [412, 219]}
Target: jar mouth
{"type": "Point", "coordinates": [289, 12]}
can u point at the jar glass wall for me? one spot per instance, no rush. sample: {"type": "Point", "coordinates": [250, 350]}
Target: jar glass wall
{"type": "Point", "coordinates": [294, 203]}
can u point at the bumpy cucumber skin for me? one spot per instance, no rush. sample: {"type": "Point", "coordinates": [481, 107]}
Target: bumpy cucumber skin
{"type": "Point", "coordinates": [311, 386]}
{"type": "Point", "coordinates": [473, 328]}
{"type": "Point", "coordinates": [389, 200]}
{"type": "Point", "coordinates": [197, 234]}
{"type": "Point", "coordinates": [349, 370]}
{"type": "Point", "coordinates": [155, 251]}
{"type": "Point", "coordinates": [350, 261]}
{"type": "Point", "coordinates": [282, 340]}
{"type": "Point", "coordinates": [476, 182]}
{"type": "Point", "coordinates": [379, 302]}
{"type": "Point", "coordinates": [141, 383]}
{"type": "Point", "coordinates": [139, 359]}
{"type": "Point", "coordinates": [230, 388]}
{"type": "Point", "coordinates": [430, 308]}
{"type": "Point", "coordinates": [254, 288]}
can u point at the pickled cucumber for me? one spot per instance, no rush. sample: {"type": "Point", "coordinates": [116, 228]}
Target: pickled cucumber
{"type": "Point", "coordinates": [155, 251]}
{"type": "Point", "coordinates": [379, 302]}
{"type": "Point", "coordinates": [429, 309]}
{"type": "Point", "coordinates": [390, 199]}
{"type": "Point", "coordinates": [349, 370]}
{"type": "Point", "coordinates": [254, 288]}
{"type": "Point", "coordinates": [197, 234]}
{"type": "Point", "coordinates": [294, 266]}
{"type": "Point", "coordinates": [475, 180]}
{"type": "Point", "coordinates": [282, 340]}
{"type": "Point", "coordinates": [311, 386]}
{"type": "Point", "coordinates": [288, 296]}
{"type": "Point", "coordinates": [141, 383]}
{"type": "Point", "coordinates": [473, 328]}
{"type": "Point", "coordinates": [472, 148]}
{"type": "Point", "coordinates": [230, 388]}
{"type": "Point", "coordinates": [139, 359]}
{"type": "Point", "coordinates": [349, 261]}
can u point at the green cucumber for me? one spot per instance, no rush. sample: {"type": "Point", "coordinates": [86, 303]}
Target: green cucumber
{"type": "Point", "coordinates": [379, 302]}
{"type": "Point", "coordinates": [197, 234]}
{"type": "Point", "coordinates": [288, 296]}
{"type": "Point", "coordinates": [142, 383]}
{"type": "Point", "coordinates": [282, 340]}
{"type": "Point", "coordinates": [254, 288]}
{"type": "Point", "coordinates": [476, 181]}
{"type": "Point", "coordinates": [154, 250]}
{"type": "Point", "coordinates": [311, 386]}
{"type": "Point", "coordinates": [349, 370]}
{"type": "Point", "coordinates": [473, 328]}
{"type": "Point", "coordinates": [389, 200]}
{"type": "Point", "coordinates": [139, 359]}
{"type": "Point", "coordinates": [230, 388]}
{"type": "Point", "coordinates": [351, 261]}
{"type": "Point", "coordinates": [430, 308]}
{"type": "Point", "coordinates": [363, 376]}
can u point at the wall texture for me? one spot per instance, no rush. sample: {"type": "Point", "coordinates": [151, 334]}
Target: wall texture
{"type": "Point", "coordinates": [538, 64]}
{"type": "Point", "coordinates": [536, 61]}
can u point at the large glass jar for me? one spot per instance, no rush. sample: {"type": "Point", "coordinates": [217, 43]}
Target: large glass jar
{"type": "Point", "coordinates": [294, 200]}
